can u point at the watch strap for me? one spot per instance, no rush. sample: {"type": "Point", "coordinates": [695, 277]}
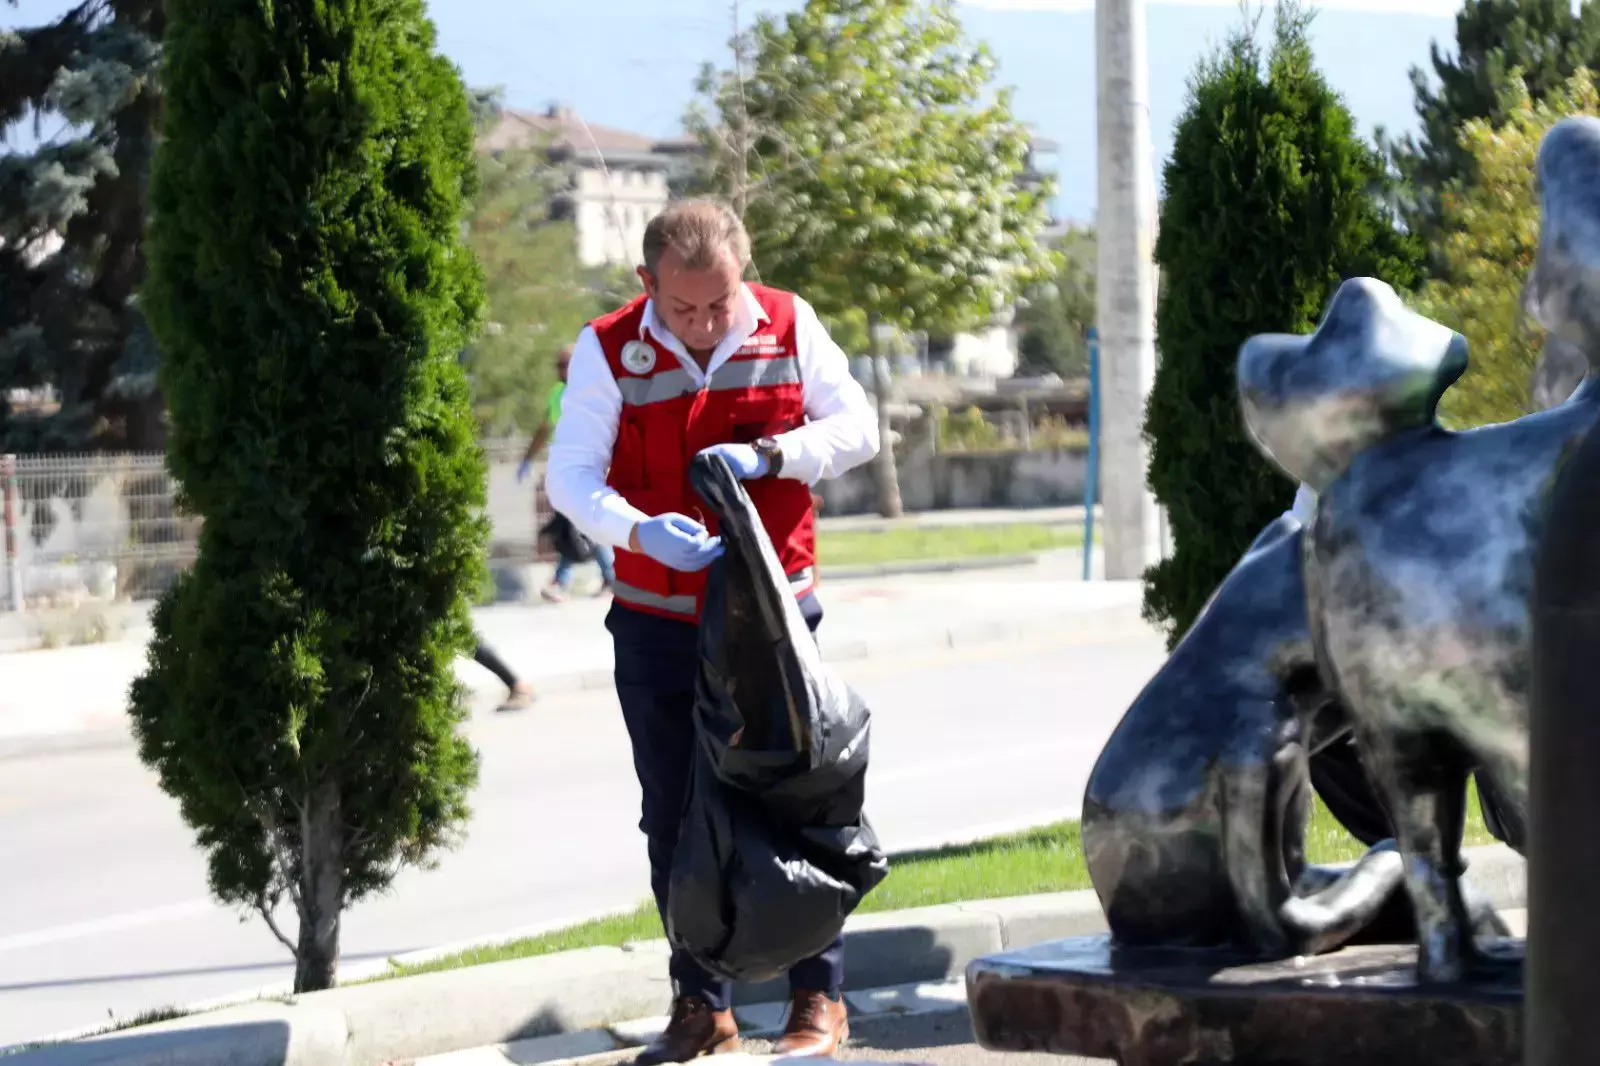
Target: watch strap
{"type": "Point", "coordinates": [768, 447]}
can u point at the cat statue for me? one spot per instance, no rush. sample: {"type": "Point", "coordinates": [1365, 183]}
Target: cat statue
{"type": "Point", "coordinates": [1419, 556]}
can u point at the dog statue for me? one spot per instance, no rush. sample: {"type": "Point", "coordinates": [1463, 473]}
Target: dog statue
{"type": "Point", "coordinates": [1419, 558]}
{"type": "Point", "coordinates": [1194, 817]}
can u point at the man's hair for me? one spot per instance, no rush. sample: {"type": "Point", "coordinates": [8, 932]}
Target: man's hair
{"type": "Point", "coordinates": [699, 231]}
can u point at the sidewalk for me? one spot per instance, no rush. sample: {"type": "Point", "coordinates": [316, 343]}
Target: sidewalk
{"type": "Point", "coordinates": [76, 695]}
{"type": "Point", "coordinates": [62, 627]}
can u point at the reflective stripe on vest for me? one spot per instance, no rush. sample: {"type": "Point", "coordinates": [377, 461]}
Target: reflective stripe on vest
{"type": "Point", "coordinates": [683, 605]}
{"type": "Point", "coordinates": [732, 375]}
{"type": "Point", "coordinates": [800, 581]}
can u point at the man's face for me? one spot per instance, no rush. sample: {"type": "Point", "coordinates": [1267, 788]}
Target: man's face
{"type": "Point", "coordinates": [696, 305]}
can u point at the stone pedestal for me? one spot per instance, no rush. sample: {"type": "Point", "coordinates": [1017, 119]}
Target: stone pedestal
{"type": "Point", "coordinates": [1190, 1007]}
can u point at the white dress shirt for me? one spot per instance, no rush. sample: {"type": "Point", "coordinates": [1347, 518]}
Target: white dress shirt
{"type": "Point", "coordinates": [841, 432]}
{"type": "Point", "coordinates": [1304, 501]}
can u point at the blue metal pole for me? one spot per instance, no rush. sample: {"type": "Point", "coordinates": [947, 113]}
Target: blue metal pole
{"type": "Point", "coordinates": [1091, 482]}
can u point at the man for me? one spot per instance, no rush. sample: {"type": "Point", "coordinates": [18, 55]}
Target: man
{"type": "Point", "coordinates": [701, 363]}
{"type": "Point", "coordinates": [603, 557]}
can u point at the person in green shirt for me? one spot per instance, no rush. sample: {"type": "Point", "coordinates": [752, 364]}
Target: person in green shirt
{"type": "Point", "coordinates": [603, 555]}
{"type": "Point", "coordinates": [552, 414]}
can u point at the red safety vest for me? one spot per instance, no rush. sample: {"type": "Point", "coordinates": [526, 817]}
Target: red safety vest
{"type": "Point", "coordinates": [666, 420]}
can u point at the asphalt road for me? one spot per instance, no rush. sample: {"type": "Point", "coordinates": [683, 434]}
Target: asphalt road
{"type": "Point", "coordinates": [104, 910]}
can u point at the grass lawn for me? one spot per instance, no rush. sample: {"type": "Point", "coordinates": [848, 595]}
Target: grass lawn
{"type": "Point", "coordinates": [868, 547]}
{"type": "Point", "coordinates": [1047, 859]}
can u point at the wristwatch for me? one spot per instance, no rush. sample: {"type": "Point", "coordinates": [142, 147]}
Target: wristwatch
{"type": "Point", "coordinates": [768, 447]}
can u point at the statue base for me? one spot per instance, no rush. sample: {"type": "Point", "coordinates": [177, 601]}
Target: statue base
{"type": "Point", "coordinates": [1361, 1006]}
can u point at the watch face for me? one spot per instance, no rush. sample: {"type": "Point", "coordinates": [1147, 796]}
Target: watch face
{"type": "Point", "coordinates": [768, 447]}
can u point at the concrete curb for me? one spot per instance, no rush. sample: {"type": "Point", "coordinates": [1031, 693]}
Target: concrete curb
{"type": "Point", "coordinates": [591, 680]}
{"type": "Point", "coordinates": [601, 988]}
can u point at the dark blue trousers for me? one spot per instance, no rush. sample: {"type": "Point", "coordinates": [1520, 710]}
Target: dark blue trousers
{"type": "Point", "coordinates": [657, 660]}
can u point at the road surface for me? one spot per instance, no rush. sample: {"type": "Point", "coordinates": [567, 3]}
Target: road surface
{"type": "Point", "coordinates": [104, 911]}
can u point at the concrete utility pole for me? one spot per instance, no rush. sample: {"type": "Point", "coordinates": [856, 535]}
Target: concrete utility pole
{"type": "Point", "coordinates": [1125, 220]}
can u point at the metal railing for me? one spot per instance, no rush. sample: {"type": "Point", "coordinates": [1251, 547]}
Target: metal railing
{"type": "Point", "coordinates": [107, 527]}
{"type": "Point", "coordinates": [96, 526]}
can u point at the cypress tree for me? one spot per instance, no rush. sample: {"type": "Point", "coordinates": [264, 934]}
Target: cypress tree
{"type": "Point", "coordinates": [311, 292]}
{"type": "Point", "coordinates": [1272, 199]}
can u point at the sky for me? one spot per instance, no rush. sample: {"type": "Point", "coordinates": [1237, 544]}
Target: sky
{"type": "Point", "coordinates": [1439, 8]}
{"type": "Point", "coordinates": [631, 64]}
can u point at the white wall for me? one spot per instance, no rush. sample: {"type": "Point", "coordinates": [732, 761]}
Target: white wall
{"type": "Point", "coordinates": [612, 213]}
{"type": "Point", "coordinates": [989, 353]}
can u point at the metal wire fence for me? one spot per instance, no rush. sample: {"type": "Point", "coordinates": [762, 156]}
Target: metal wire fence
{"type": "Point", "coordinates": [95, 526]}
{"type": "Point", "coordinates": [107, 527]}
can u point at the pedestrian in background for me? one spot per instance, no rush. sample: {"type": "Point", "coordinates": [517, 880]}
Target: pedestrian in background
{"type": "Point", "coordinates": [565, 539]}
{"type": "Point", "coordinates": [520, 693]}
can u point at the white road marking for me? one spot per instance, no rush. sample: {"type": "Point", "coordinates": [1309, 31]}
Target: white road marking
{"type": "Point", "coordinates": [115, 923]}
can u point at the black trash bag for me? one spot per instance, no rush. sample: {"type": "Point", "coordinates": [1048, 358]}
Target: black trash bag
{"type": "Point", "coordinates": [774, 852]}
{"type": "Point", "coordinates": [567, 541]}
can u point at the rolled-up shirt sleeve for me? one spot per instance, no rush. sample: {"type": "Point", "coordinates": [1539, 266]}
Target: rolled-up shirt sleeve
{"type": "Point", "coordinates": [843, 429]}
{"type": "Point", "coordinates": [580, 452]}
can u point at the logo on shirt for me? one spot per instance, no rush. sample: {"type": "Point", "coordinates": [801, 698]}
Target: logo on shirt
{"type": "Point", "coordinates": [638, 357]}
{"type": "Point", "coordinates": [763, 344]}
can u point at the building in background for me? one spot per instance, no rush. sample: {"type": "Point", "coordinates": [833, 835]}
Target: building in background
{"type": "Point", "coordinates": [618, 181]}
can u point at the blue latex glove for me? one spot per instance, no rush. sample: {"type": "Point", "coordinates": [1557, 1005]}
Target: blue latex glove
{"type": "Point", "coordinates": [678, 542]}
{"type": "Point", "coordinates": [524, 470]}
{"type": "Point", "coordinates": [747, 463]}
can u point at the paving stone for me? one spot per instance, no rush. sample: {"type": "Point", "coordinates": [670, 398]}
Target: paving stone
{"type": "Point", "coordinates": [545, 1049]}
{"type": "Point", "coordinates": [639, 1032]}
{"type": "Point", "coordinates": [922, 998]}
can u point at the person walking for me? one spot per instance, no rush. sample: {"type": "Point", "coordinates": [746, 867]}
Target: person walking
{"type": "Point", "coordinates": [566, 561]}
{"type": "Point", "coordinates": [701, 363]}
{"type": "Point", "coordinates": [520, 693]}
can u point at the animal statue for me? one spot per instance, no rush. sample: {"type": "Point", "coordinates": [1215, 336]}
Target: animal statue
{"type": "Point", "coordinates": [1194, 816]}
{"type": "Point", "coordinates": [1559, 371]}
{"type": "Point", "coordinates": [1419, 558]}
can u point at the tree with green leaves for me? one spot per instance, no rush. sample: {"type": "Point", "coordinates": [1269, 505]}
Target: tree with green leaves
{"type": "Point", "coordinates": [311, 292]}
{"type": "Point", "coordinates": [72, 218]}
{"type": "Point", "coordinates": [537, 298]}
{"type": "Point", "coordinates": [1270, 204]}
{"type": "Point", "coordinates": [878, 169]}
{"type": "Point", "coordinates": [1547, 41]}
{"type": "Point", "coordinates": [1491, 222]}
{"type": "Point", "coordinates": [1053, 323]}
{"type": "Point", "coordinates": [539, 295]}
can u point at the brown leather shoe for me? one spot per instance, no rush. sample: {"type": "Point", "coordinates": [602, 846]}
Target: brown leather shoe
{"type": "Point", "coordinates": [694, 1030]}
{"type": "Point", "coordinates": [818, 1027]}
